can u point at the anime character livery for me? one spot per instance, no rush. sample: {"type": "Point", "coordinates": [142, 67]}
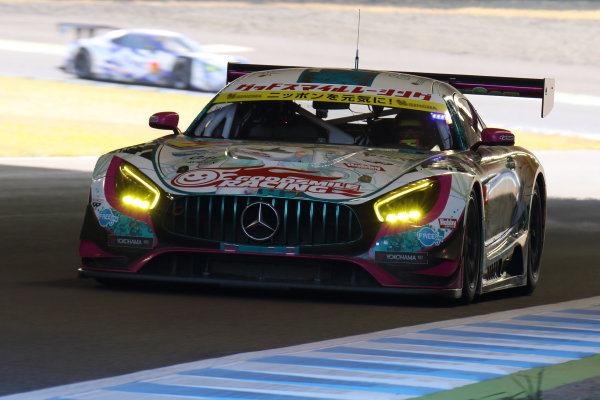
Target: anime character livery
{"type": "Point", "coordinates": [326, 178]}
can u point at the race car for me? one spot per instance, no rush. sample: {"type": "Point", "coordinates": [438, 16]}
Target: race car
{"type": "Point", "coordinates": [148, 56]}
{"type": "Point", "coordinates": [340, 179]}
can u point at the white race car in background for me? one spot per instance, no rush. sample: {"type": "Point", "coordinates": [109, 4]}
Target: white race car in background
{"type": "Point", "coordinates": [149, 56]}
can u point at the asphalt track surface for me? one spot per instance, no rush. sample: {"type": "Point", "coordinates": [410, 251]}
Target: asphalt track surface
{"type": "Point", "coordinates": [57, 329]}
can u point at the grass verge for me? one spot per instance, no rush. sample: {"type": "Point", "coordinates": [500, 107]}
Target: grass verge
{"type": "Point", "coordinates": [527, 384]}
{"type": "Point", "coordinates": [49, 118]}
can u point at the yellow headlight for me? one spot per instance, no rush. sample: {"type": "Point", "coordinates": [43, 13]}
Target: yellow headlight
{"type": "Point", "coordinates": [409, 203]}
{"type": "Point", "coordinates": [135, 189]}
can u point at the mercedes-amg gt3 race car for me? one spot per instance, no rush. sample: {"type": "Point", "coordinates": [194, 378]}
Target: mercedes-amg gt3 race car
{"type": "Point", "coordinates": [148, 56]}
{"type": "Point", "coordinates": [326, 178]}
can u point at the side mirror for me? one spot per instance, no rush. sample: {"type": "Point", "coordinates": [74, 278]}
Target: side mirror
{"type": "Point", "coordinates": [167, 120]}
{"type": "Point", "coordinates": [497, 137]}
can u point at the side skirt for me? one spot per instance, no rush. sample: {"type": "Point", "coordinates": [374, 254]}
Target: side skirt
{"type": "Point", "coordinates": [505, 264]}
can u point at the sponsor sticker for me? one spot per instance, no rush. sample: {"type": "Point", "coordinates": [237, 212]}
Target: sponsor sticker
{"type": "Point", "coordinates": [130, 241]}
{"type": "Point", "coordinates": [447, 223]}
{"type": "Point", "coordinates": [363, 166]}
{"type": "Point", "coordinates": [107, 218]}
{"type": "Point", "coordinates": [399, 257]}
{"type": "Point", "coordinates": [278, 178]}
{"type": "Point", "coordinates": [428, 237]}
{"type": "Point", "coordinates": [331, 88]}
{"type": "Point", "coordinates": [355, 98]}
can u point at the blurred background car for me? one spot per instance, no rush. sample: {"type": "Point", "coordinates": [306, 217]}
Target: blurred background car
{"type": "Point", "coordinates": [147, 56]}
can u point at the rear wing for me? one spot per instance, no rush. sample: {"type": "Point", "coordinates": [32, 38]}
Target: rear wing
{"type": "Point", "coordinates": [467, 84]}
{"type": "Point", "coordinates": [82, 30]}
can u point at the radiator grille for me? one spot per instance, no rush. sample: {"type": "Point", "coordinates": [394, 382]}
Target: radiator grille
{"type": "Point", "coordinates": [301, 222]}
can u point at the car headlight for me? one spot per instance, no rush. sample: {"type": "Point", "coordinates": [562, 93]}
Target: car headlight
{"type": "Point", "coordinates": [134, 189]}
{"type": "Point", "coordinates": [409, 203]}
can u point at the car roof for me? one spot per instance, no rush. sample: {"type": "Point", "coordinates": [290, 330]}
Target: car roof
{"type": "Point", "coordinates": [144, 31]}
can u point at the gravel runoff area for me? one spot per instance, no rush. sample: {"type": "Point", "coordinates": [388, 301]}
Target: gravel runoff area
{"type": "Point", "coordinates": [553, 38]}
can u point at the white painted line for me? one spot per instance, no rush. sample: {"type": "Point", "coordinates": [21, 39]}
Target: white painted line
{"type": "Point", "coordinates": [32, 47]}
{"type": "Point", "coordinates": [570, 174]}
{"type": "Point", "coordinates": [577, 99]}
{"type": "Point", "coordinates": [77, 163]}
{"type": "Point", "coordinates": [61, 49]}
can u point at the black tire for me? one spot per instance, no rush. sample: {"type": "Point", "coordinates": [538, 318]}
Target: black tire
{"type": "Point", "coordinates": [470, 260]}
{"type": "Point", "coordinates": [82, 64]}
{"type": "Point", "coordinates": [535, 240]}
{"type": "Point", "coordinates": [181, 74]}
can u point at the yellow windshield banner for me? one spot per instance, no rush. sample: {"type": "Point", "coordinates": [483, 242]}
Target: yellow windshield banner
{"type": "Point", "coordinates": [353, 98]}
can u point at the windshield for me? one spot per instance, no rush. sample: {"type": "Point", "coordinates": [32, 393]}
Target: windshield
{"type": "Point", "coordinates": [178, 44]}
{"type": "Point", "coordinates": [309, 121]}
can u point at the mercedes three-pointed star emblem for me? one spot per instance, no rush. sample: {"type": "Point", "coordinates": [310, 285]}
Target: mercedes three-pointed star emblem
{"type": "Point", "coordinates": [260, 221]}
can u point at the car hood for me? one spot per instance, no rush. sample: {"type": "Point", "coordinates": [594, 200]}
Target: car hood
{"type": "Point", "coordinates": [330, 172]}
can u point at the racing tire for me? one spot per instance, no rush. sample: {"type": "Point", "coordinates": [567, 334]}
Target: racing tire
{"type": "Point", "coordinates": [82, 64]}
{"type": "Point", "coordinates": [470, 263]}
{"type": "Point", "coordinates": [181, 74]}
{"type": "Point", "coordinates": [535, 240]}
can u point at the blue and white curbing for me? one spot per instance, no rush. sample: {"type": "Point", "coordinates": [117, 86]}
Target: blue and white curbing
{"type": "Point", "coordinates": [394, 364]}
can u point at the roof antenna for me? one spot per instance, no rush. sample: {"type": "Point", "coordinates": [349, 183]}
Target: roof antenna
{"type": "Point", "coordinates": [357, 38]}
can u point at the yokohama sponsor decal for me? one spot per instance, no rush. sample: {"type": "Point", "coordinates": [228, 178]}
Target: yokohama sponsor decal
{"type": "Point", "coordinates": [130, 241]}
{"type": "Point", "coordinates": [277, 178]}
{"type": "Point", "coordinates": [397, 257]}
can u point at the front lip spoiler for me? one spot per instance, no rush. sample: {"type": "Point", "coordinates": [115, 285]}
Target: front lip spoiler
{"type": "Point", "coordinates": [448, 293]}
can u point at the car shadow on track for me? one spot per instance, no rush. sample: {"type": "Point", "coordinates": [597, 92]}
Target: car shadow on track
{"type": "Point", "coordinates": [315, 296]}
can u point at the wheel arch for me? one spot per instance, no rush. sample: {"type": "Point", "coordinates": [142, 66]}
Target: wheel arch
{"type": "Point", "coordinates": [86, 49]}
{"type": "Point", "coordinates": [187, 62]}
{"type": "Point", "coordinates": [540, 180]}
{"type": "Point", "coordinates": [185, 58]}
{"type": "Point", "coordinates": [477, 189]}
{"type": "Point", "coordinates": [89, 53]}
{"type": "Point", "coordinates": [531, 278]}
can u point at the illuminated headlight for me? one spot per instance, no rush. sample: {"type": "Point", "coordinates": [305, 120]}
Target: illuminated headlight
{"type": "Point", "coordinates": [409, 203]}
{"type": "Point", "coordinates": [134, 189]}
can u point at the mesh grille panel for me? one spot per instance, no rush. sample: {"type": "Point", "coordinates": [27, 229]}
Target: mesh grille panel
{"type": "Point", "coordinates": [301, 222]}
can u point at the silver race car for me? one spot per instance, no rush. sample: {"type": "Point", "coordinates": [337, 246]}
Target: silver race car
{"type": "Point", "coordinates": [148, 56]}
{"type": "Point", "coordinates": [327, 178]}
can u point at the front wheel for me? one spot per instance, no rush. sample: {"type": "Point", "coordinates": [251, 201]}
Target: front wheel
{"type": "Point", "coordinates": [535, 240]}
{"type": "Point", "coordinates": [181, 74]}
{"type": "Point", "coordinates": [83, 64]}
{"type": "Point", "coordinates": [471, 251]}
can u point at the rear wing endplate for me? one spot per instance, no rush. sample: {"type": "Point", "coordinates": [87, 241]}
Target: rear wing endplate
{"type": "Point", "coordinates": [82, 30]}
{"type": "Point", "coordinates": [467, 84]}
